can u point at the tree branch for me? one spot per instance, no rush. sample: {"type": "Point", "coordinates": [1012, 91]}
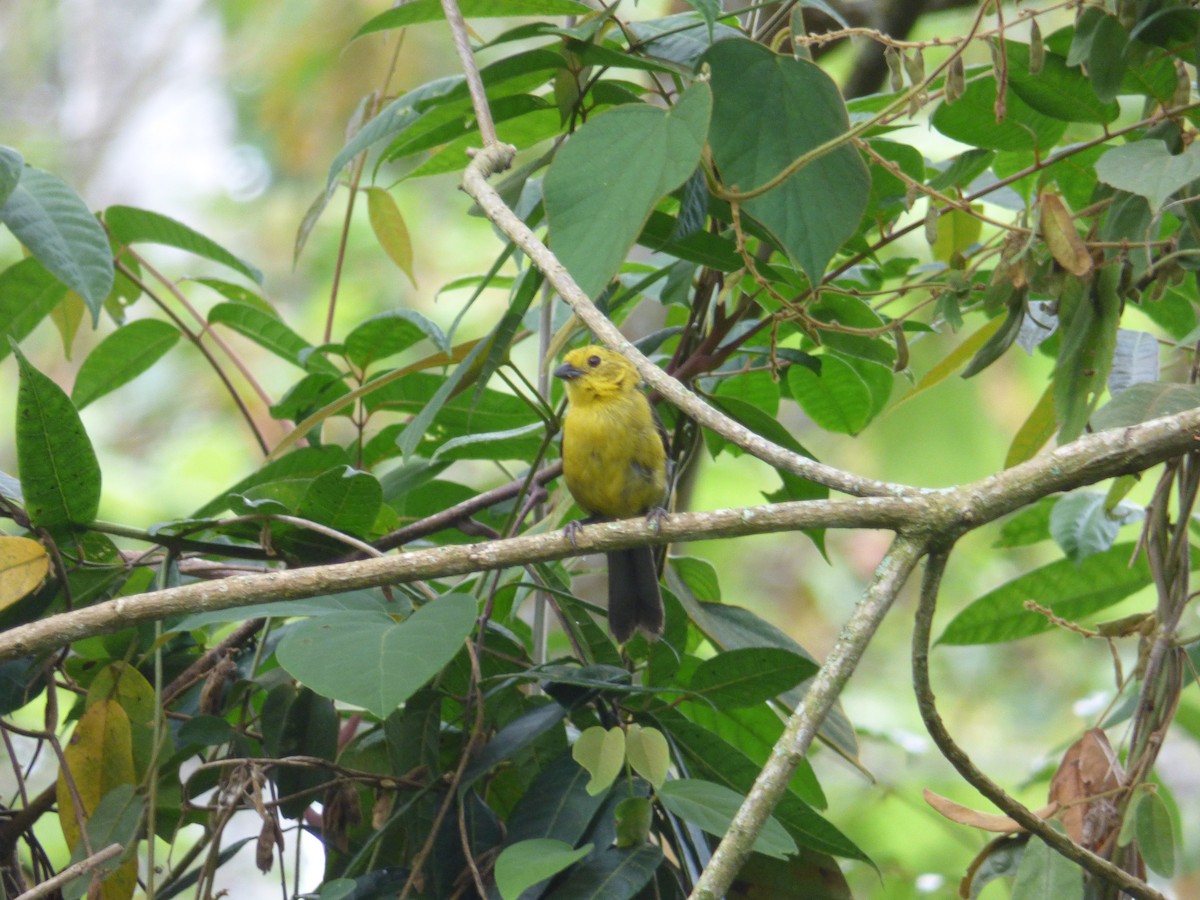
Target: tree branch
{"type": "Point", "coordinates": [948, 512]}
{"type": "Point", "coordinates": [801, 728]}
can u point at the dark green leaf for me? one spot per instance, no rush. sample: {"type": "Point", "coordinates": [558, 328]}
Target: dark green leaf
{"type": "Point", "coordinates": [60, 476]}
{"type": "Point", "coordinates": [751, 148]}
{"type": "Point", "coordinates": [345, 499]}
{"type": "Point", "coordinates": [591, 233]}
{"type": "Point", "coordinates": [750, 675]}
{"type": "Point", "coordinates": [1070, 591]}
{"type": "Point", "coordinates": [512, 738]}
{"type": "Point", "coordinates": [130, 225]}
{"type": "Point", "coordinates": [556, 804]}
{"type": "Point", "coordinates": [1057, 90]}
{"type": "Point", "coordinates": [972, 120]}
{"type": "Point", "coordinates": [614, 874]}
{"type": "Point", "coordinates": [1106, 57]}
{"type": "Point", "coordinates": [61, 233]}
{"type": "Point", "coordinates": [122, 356]}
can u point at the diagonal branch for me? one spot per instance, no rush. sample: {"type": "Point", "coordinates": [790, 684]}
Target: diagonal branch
{"type": "Point", "coordinates": [801, 728]}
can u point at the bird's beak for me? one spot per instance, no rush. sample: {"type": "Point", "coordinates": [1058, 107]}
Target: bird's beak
{"type": "Point", "coordinates": [567, 372]}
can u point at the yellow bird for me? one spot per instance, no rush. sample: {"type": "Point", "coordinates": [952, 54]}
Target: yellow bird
{"type": "Point", "coordinates": [614, 453]}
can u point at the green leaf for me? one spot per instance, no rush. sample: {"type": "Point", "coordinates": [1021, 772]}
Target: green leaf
{"type": "Point", "coordinates": [712, 807]}
{"type": "Point", "coordinates": [1029, 526]}
{"type": "Point", "coordinates": [28, 292]}
{"type": "Point", "coordinates": [115, 820]}
{"type": "Point", "coordinates": [1148, 168]}
{"type": "Point", "coordinates": [971, 119]}
{"type": "Point", "coordinates": [60, 476]}
{"type": "Point", "coordinates": [752, 146]}
{"type": "Point", "coordinates": [372, 661]}
{"type": "Point", "coordinates": [513, 738]}
{"type": "Point", "coordinates": [1106, 59]}
{"type": "Point", "coordinates": [834, 395]}
{"type": "Point", "coordinates": [269, 333]}
{"type": "Point", "coordinates": [524, 864]}
{"type": "Point", "coordinates": [1145, 401]}
{"type": "Point", "coordinates": [11, 164]}
{"type": "Point", "coordinates": [750, 675]}
{"type": "Point", "coordinates": [711, 757]}
{"type": "Point", "coordinates": [1155, 836]}
{"type": "Point", "coordinates": [591, 232]}
{"type": "Point", "coordinates": [416, 12]}
{"type": "Point", "coordinates": [122, 356]}
{"type": "Point", "coordinates": [1045, 873]}
{"type": "Point", "coordinates": [389, 333]}
{"type": "Point", "coordinates": [1082, 526]}
{"type": "Point", "coordinates": [325, 605]}
{"type": "Point", "coordinates": [1058, 90]}
{"type": "Point", "coordinates": [648, 754]}
{"type": "Point", "coordinates": [1086, 354]}
{"type": "Point", "coordinates": [131, 225]}
{"type": "Point", "coordinates": [388, 224]}
{"type": "Point", "coordinates": [345, 499]}
{"type": "Point", "coordinates": [614, 874]}
{"type": "Point", "coordinates": [513, 443]}
{"type": "Point", "coordinates": [602, 752]}
{"type": "Point", "coordinates": [307, 462]}
{"type": "Point", "coordinates": [1070, 591]}
{"type": "Point", "coordinates": [556, 804]}
{"type": "Point", "coordinates": [60, 232]}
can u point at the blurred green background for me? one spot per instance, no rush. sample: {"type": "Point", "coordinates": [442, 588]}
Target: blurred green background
{"type": "Point", "coordinates": [226, 116]}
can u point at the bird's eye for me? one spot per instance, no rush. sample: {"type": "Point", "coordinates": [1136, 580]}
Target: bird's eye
{"type": "Point", "coordinates": [593, 361]}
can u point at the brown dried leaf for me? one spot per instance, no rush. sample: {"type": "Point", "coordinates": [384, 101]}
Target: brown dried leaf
{"type": "Point", "coordinates": [1085, 786]}
{"type": "Point", "coordinates": [993, 822]}
{"type": "Point", "coordinates": [1064, 242]}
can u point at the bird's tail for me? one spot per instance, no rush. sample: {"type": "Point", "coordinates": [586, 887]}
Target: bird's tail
{"type": "Point", "coordinates": [634, 600]}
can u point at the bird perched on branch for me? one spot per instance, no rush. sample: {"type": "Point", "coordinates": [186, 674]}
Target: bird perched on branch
{"type": "Point", "coordinates": [614, 453]}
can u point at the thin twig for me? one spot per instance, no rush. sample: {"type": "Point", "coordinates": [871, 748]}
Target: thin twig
{"type": "Point", "coordinates": [72, 872]}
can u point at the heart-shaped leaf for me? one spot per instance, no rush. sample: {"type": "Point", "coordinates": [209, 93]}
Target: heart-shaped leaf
{"type": "Point", "coordinates": [369, 659]}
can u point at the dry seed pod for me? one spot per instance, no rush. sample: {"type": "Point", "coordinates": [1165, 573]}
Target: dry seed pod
{"type": "Point", "coordinates": [1183, 86]}
{"type": "Point", "coordinates": [956, 80]}
{"type": "Point", "coordinates": [914, 65]}
{"type": "Point", "coordinates": [931, 223]}
{"type": "Point", "coordinates": [1037, 49]}
{"type": "Point", "coordinates": [895, 69]}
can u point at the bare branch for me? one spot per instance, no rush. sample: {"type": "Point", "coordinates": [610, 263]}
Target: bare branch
{"type": "Point", "coordinates": [50, 885]}
{"type": "Point", "coordinates": [802, 727]}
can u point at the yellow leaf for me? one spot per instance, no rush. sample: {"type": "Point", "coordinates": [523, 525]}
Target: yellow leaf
{"type": "Point", "coordinates": [99, 757]}
{"type": "Point", "coordinates": [602, 753]}
{"type": "Point", "coordinates": [390, 230]}
{"type": "Point", "coordinates": [648, 753]}
{"type": "Point", "coordinates": [956, 359]}
{"type": "Point", "coordinates": [66, 317]}
{"type": "Point", "coordinates": [24, 565]}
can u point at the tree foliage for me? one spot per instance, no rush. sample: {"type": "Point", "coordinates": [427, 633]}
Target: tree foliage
{"type": "Point", "coordinates": [704, 171]}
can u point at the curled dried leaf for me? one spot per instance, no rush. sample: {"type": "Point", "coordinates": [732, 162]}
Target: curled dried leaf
{"type": "Point", "coordinates": [992, 822]}
{"type": "Point", "coordinates": [1065, 245]}
{"type": "Point", "coordinates": [1086, 786]}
